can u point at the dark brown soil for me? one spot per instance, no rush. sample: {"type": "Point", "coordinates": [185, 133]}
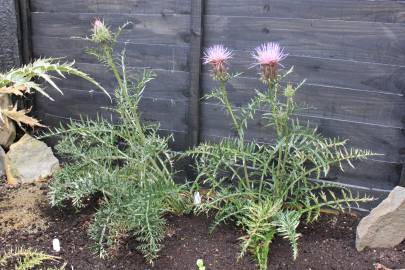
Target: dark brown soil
{"type": "Point", "coordinates": [328, 244]}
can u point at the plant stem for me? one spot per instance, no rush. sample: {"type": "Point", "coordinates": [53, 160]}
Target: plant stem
{"type": "Point", "coordinates": [110, 60]}
{"type": "Point", "coordinates": [228, 107]}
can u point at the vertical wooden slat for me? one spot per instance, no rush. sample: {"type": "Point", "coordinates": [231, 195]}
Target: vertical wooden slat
{"type": "Point", "coordinates": [24, 18]}
{"type": "Point", "coordinates": [197, 7]}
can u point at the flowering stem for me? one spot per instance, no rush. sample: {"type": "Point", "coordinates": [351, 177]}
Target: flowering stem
{"type": "Point", "coordinates": [228, 107]}
{"type": "Point", "coordinates": [237, 126]}
{"type": "Point", "coordinates": [110, 60]}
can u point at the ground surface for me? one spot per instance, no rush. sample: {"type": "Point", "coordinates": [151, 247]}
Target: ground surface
{"type": "Point", "coordinates": [27, 220]}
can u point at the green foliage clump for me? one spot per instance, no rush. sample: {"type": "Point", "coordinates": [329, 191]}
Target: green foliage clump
{"type": "Point", "coordinates": [268, 189]}
{"type": "Point", "coordinates": [27, 79]}
{"type": "Point", "coordinates": [126, 163]}
{"type": "Point", "coordinates": [19, 81]}
{"type": "Point", "coordinates": [26, 259]}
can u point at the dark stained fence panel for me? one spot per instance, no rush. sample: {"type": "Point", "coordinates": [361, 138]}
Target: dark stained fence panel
{"type": "Point", "coordinates": [138, 55]}
{"type": "Point", "coordinates": [158, 38]}
{"type": "Point", "coordinates": [380, 139]}
{"type": "Point", "coordinates": [352, 56]}
{"type": "Point", "coordinates": [349, 10]}
{"type": "Point", "coordinates": [113, 6]}
{"type": "Point", "coordinates": [169, 113]}
{"type": "Point", "coordinates": [167, 84]}
{"type": "Point", "coordinates": [332, 72]}
{"type": "Point", "coordinates": [361, 41]}
{"type": "Point", "coordinates": [378, 108]}
{"type": "Point", "coordinates": [351, 53]}
{"type": "Point", "coordinates": [145, 28]}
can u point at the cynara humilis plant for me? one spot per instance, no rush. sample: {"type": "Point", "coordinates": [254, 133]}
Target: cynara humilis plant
{"type": "Point", "coordinates": [28, 79]}
{"type": "Point", "coordinates": [268, 189]}
{"type": "Point", "coordinates": [126, 164]}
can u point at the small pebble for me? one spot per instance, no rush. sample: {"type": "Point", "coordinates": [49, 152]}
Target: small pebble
{"type": "Point", "coordinates": [56, 245]}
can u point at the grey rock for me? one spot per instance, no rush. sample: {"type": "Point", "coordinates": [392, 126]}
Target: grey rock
{"type": "Point", "coordinates": [29, 160]}
{"type": "Point", "coordinates": [384, 227]}
{"type": "Point", "coordinates": [7, 127]}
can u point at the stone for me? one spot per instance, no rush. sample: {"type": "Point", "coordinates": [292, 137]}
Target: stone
{"type": "Point", "coordinates": [7, 128]}
{"type": "Point", "coordinates": [29, 160]}
{"type": "Point", "coordinates": [384, 227]}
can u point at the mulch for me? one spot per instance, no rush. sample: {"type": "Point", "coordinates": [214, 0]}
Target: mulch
{"type": "Point", "coordinates": [327, 244]}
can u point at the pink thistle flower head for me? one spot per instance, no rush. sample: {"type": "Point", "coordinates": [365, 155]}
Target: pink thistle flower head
{"type": "Point", "coordinates": [98, 25]}
{"type": "Point", "coordinates": [101, 33]}
{"type": "Point", "coordinates": [269, 56]}
{"type": "Point", "coordinates": [217, 56]}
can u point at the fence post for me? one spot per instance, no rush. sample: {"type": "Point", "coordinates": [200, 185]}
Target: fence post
{"type": "Point", "coordinates": [24, 35]}
{"type": "Point", "coordinates": [197, 10]}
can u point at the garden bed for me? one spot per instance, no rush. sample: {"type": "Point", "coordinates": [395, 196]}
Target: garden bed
{"type": "Point", "coordinates": [328, 245]}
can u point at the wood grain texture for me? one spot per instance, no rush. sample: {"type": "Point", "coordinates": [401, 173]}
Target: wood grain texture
{"type": "Point", "coordinates": [371, 174]}
{"type": "Point", "coordinates": [360, 41]}
{"type": "Point", "coordinates": [350, 10]}
{"type": "Point", "coordinates": [9, 47]}
{"type": "Point", "coordinates": [113, 6]}
{"type": "Point", "coordinates": [382, 140]}
{"type": "Point", "coordinates": [170, 114]}
{"type": "Point", "coordinates": [384, 109]}
{"type": "Point", "coordinates": [167, 84]}
{"type": "Point", "coordinates": [138, 55]}
{"type": "Point", "coordinates": [145, 28]}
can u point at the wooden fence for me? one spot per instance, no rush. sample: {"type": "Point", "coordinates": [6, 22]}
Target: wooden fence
{"type": "Point", "coordinates": [351, 52]}
{"type": "Point", "coordinates": [9, 46]}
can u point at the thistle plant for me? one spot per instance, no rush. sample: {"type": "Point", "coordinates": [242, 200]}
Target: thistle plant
{"type": "Point", "coordinates": [23, 81]}
{"type": "Point", "coordinates": [26, 259]}
{"type": "Point", "coordinates": [126, 164]}
{"type": "Point", "coordinates": [269, 189]}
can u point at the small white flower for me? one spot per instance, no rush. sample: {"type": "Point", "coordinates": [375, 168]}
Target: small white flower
{"type": "Point", "coordinates": [56, 245]}
{"type": "Point", "coordinates": [197, 198]}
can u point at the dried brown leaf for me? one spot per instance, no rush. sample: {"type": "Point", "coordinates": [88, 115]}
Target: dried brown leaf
{"type": "Point", "coordinates": [21, 117]}
{"type": "Point", "coordinates": [17, 90]}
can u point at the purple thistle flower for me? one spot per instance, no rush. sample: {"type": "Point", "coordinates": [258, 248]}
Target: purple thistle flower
{"type": "Point", "coordinates": [98, 25]}
{"type": "Point", "coordinates": [217, 56]}
{"type": "Point", "coordinates": [269, 56]}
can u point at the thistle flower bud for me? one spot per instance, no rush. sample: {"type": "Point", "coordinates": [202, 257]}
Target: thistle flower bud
{"type": "Point", "coordinates": [289, 91]}
{"type": "Point", "coordinates": [269, 56]}
{"type": "Point", "coordinates": [101, 33]}
{"type": "Point", "coordinates": [217, 56]}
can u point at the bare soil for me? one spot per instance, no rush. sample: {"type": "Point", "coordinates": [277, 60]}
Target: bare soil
{"type": "Point", "coordinates": [26, 220]}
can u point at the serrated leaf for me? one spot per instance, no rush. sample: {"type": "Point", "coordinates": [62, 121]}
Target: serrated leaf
{"type": "Point", "coordinates": [21, 117]}
{"type": "Point", "coordinates": [17, 90]}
